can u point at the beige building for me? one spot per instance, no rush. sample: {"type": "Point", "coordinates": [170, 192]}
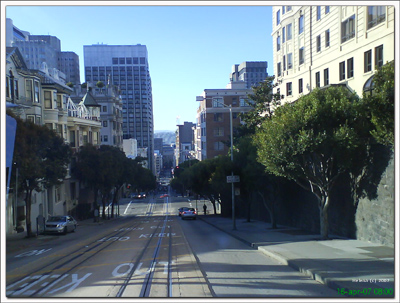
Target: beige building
{"type": "Point", "coordinates": [316, 46]}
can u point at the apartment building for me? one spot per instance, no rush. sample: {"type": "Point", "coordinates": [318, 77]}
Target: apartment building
{"type": "Point", "coordinates": [213, 118]}
{"type": "Point", "coordinates": [127, 67]}
{"type": "Point", "coordinates": [316, 46]}
{"type": "Point", "coordinates": [38, 96]}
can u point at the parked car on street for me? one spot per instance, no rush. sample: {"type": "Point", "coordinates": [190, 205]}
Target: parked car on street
{"type": "Point", "coordinates": [189, 213]}
{"type": "Point", "coordinates": [60, 224]}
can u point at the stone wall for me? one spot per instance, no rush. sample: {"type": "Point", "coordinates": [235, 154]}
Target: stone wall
{"type": "Point", "coordinates": [372, 220]}
{"type": "Point", "coordinates": [375, 218]}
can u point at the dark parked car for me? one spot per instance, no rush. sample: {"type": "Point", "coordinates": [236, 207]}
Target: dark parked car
{"type": "Point", "coordinates": [60, 224]}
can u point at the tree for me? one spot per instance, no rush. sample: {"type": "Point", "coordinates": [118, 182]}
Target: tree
{"type": "Point", "coordinates": [313, 141]}
{"type": "Point", "coordinates": [100, 84]}
{"type": "Point", "coordinates": [381, 104]}
{"type": "Point", "coordinates": [263, 102]}
{"type": "Point", "coordinates": [42, 158]}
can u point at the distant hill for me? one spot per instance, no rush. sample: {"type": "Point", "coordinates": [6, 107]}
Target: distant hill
{"type": "Point", "coordinates": [167, 136]}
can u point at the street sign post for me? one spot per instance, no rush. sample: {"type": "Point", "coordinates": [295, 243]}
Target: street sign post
{"type": "Point", "coordinates": [232, 179]}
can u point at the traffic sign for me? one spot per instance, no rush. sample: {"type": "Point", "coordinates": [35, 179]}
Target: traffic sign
{"type": "Point", "coordinates": [232, 179]}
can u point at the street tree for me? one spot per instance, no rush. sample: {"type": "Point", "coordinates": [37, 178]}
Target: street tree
{"type": "Point", "coordinates": [380, 104]}
{"type": "Point", "coordinates": [313, 141]}
{"type": "Point", "coordinates": [42, 157]}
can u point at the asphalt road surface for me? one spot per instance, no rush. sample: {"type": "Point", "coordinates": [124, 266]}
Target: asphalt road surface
{"type": "Point", "coordinates": [150, 252]}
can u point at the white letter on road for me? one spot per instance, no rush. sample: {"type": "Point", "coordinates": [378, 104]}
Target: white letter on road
{"type": "Point", "coordinates": [74, 284]}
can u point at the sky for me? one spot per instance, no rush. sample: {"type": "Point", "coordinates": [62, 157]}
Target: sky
{"type": "Point", "coordinates": [190, 47]}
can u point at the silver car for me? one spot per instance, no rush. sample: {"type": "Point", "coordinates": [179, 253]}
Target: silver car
{"type": "Point", "coordinates": [188, 213]}
{"type": "Point", "coordinates": [60, 224]}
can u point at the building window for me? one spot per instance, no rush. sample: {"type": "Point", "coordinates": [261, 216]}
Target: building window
{"type": "Point", "coordinates": [290, 60]}
{"type": "Point", "coordinates": [29, 90]}
{"type": "Point", "coordinates": [301, 24]}
{"type": "Point", "coordinates": [289, 32]}
{"type": "Point", "coordinates": [218, 132]}
{"type": "Point", "coordinates": [8, 87]}
{"type": "Point", "coordinates": [327, 9]}
{"type": "Point", "coordinates": [104, 108]}
{"type": "Point", "coordinates": [283, 34]}
{"type": "Point", "coordinates": [105, 138]}
{"type": "Point", "coordinates": [243, 102]}
{"type": "Point", "coordinates": [350, 68]}
{"type": "Point", "coordinates": [105, 123]}
{"type": "Point", "coordinates": [283, 10]}
{"type": "Point", "coordinates": [279, 70]}
{"type": "Point", "coordinates": [278, 43]}
{"type": "Point", "coordinates": [72, 139]}
{"type": "Point", "coordinates": [327, 38]}
{"type": "Point", "coordinates": [218, 102]}
{"type": "Point", "coordinates": [284, 62]}
{"type": "Point", "coordinates": [342, 71]}
{"type": "Point", "coordinates": [218, 145]}
{"type": "Point", "coordinates": [379, 56]}
{"type": "Point", "coordinates": [318, 13]}
{"type": "Point", "coordinates": [367, 61]}
{"type": "Point", "coordinates": [317, 80]}
{"type": "Point", "coordinates": [16, 90]}
{"type": "Point", "coordinates": [300, 86]}
{"type": "Point", "coordinates": [348, 29]}
{"type": "Point", "coordinates": [47, 99]}
{"type": "Point", "coordinates": [289, 89]}
{"type": "Point", "coordinates": [218, 117]}
{"type": "Point", "coordinates": [301, 55]}
{"type": "Point", "coordinates": [326, 77]}
{"type": "Point", "coordinates": [289, 8]}
{"type": "Point", "coordinates": [318, 43]}
{"type": "Point", "coordinates": [278, 17]}
{"type": "Point", "coordinates": [376, 15]}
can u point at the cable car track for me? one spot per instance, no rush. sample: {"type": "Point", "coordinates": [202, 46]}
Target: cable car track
{"type": "Point", "coordinates": [157, 280]}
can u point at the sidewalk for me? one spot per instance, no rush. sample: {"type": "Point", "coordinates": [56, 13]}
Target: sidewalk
{"type": "Point", "coordinates": [354, 268]}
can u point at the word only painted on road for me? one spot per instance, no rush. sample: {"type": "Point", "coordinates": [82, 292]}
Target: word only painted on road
{"type": "Point", "coordinates": [32, 253]}
{"type": "Point", "coordinates": [160, 235]}
{"type": "Point", "coordinates": [30, 284]}
{"type": "Point", "coordinates": [125, 268]}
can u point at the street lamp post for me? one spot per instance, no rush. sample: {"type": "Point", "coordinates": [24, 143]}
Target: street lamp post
{"type": "Point", "coordinates": [233, 186]}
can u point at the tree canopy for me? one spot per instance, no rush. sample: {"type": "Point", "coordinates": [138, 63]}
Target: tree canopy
{"type": "Point", "coordinates": [313, 141]}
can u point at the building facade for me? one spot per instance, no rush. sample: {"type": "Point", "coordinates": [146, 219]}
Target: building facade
{"type": "Point", "coordinates": [213, 118]}
{"type": "Point", "coordinates": [315, 46]}
{"type": "Point", "coordinates": [39, 49]}
{"type": "Point", "coordinates": [127, 67]}
{"type": "Point", "coordinates": [250, 72]}
{"type": "Point", "coordinates": [184, 142]}
{"type": "Point", "coordinates": [37, 96]}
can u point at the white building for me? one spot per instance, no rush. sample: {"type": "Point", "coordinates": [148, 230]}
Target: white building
{"type": "Point", "coordinates": [129, 147]}
{"type": "Point", "coordinates": [315, 46]}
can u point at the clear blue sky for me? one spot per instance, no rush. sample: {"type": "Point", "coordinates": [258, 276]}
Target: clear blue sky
{"type": "Point", "coordinates": [190, 48]}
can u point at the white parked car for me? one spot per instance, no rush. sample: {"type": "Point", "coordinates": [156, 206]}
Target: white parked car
{"type": "Point", "coordinates": [188, 213]}
{"type": "Point", "coordinates": [60, 224]}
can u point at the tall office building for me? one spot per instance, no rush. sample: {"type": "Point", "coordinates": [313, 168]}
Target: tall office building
{"type": "Point", "coordinates": [39, 49]}
{"type": "Point", "coordinates": [127, 67]}
{"type": "Point", "coordinates": [250, 72]}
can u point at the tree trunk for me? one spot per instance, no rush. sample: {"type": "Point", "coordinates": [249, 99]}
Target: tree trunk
{"type": "Point", "coordinates": [28, 201]}
{"type": "Point", "coordinates": [271, 211]}
{"type": "Point", "coordinates": [323, 216]}
{"type": "Point", "coordinates": [103, 201]}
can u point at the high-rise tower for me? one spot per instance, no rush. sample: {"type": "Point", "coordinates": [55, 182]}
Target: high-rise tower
{"type": "Point", "coordinates": [127, 67]}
